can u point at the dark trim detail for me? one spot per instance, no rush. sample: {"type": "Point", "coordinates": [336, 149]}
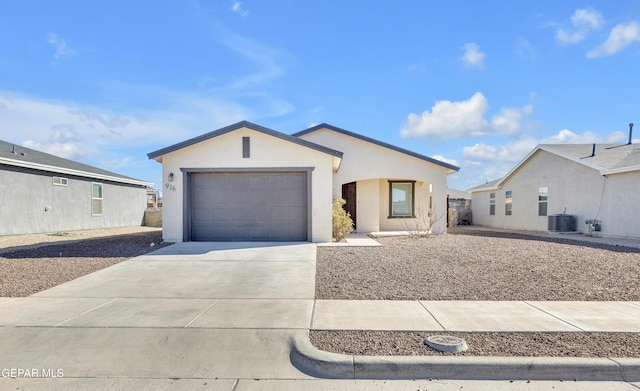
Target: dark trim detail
{"type": "Point", "coordinates": [243, 124]}
{"type": "Point", "coordinates": [413, 200]}
{"type": "Point", "coordinates": [246, 147]}
{"type": "Point", "coordinates": [377, 142]}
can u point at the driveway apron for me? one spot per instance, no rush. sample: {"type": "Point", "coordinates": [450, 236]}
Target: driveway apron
{"type": "Point", "coordinates": [190, 310]}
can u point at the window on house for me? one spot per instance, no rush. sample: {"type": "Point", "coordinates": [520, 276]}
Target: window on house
{"type": "Point", "coordinates": [58, 181]}
{"type": "Point", "coordinates": [492, 204]}
{"type": "Point", "coordinates": [96, 199]}
{"type": "Point", "coordinates": [401, 199]}
{"type": "Point", "coordinates": [543, 197]}
{"type": "Point", "coordinates": [508, 197]}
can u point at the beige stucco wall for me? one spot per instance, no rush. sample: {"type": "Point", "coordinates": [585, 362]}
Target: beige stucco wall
{"type": "Point", "coordinates": [573, 187]}
{"type": "Point", "coordinates": [369, 164]}
{"type": "Point", "coordinates": [368, 200]}
{"type": "Point", "coordinates": [225, 151]}
{"type": "Point", "coordinates": [620, 212]}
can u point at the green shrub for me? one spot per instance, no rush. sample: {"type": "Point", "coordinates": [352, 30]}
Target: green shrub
{"type": "Point", "coordinates": [342, 223]}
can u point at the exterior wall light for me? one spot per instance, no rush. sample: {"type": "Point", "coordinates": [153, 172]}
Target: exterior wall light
{"type": "Point", "coordinates": [170, 177]}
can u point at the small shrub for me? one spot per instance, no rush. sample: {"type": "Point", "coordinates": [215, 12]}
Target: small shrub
{"type": "Point", "coordinates": [342, 223]}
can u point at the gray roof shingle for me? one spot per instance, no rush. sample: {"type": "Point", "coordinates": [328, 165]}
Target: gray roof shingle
{"type": "Point", "coordinates": [16, 155]}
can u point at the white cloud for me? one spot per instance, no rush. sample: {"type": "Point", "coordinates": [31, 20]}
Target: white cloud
{"type": "Point", "coordinates": [237, 8]}
{"type": "Point", "coordinates": [416, 68]}
{"type": "Point", "coordinates": [472, 57]}
{"type": "Point", "coordinates": [524, 49]}
{"type": "Point", "coordinates": [515, 151]}
{"type": "Point", "coordinates": [508, 121]}
{"type": "Point", "coordinates": [64, 150]}
{"type": "Point", "coordinates": [566, 136]}
{"type": "Point", "coordinates": [60, 46]}
{"type": "Point", "coordinates": [89, 133]}
{"type": "Point", "coordinates": [568, 38]}
{"type": "Point", "coordinates": [621, 36]}
{"type": "Point", "coordinates": [450, 119]}
{"type": "Point", "coordinates": [587, 17]}
{"type": "Point", "coordinates": [461, 119]}
{"type": "Point", "coordinates": [64, 133]}
{"type": "Point", "coordinates": [510, 152]}
{"type": "Point", "coordinates": [583, 21]}
{"type": "Point", "coordinates": [444, 159]}
{"type": "Point", "coordinates": [264, 59]}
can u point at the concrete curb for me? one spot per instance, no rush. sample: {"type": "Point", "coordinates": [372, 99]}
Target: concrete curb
{"type": "Point", "coordinates": [314, 362]}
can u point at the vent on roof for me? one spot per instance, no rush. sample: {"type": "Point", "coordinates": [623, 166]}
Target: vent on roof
{"type": "Point", "coordinates": [630, 132]}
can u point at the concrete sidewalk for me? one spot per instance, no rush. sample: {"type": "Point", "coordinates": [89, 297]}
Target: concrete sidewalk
{"type": "Point", "coordinates": [477, 316]}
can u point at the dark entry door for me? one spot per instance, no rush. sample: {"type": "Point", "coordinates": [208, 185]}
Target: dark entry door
{"type": "Point", "coordinates": [349, 195]}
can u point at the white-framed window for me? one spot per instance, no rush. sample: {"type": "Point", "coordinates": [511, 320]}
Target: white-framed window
{"type": "Point", "coordinates": [508, 198]}
{"type": "Point", "coordinates": [543, 198]}
{"type": "Point", "coordinates": [492, 204]}
{"type": "Point", "coordinates": [96, 199]}
{"type": "Point", "coordinates": [401, 195]}
{"type": "Point", "coordinates": [59, 181]}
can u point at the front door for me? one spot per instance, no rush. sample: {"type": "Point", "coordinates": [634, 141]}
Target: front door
{"type": "Point", "coordinates": [349, 195]}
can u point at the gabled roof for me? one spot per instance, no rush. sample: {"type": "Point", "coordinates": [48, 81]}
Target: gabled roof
{"type": "Point", "coordinates": [157, 155]}
{"type": "Point", "coordinates": [18, 156]}
{"type": "Point", "coordinates": [604, 158]}
{"type": "Point", "coordinates": [377, 142]}
{"type": "Point", "coordinates": [490, 185]}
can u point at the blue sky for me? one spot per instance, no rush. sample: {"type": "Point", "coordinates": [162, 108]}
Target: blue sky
{"type": "Point", "coordinates": [477, 84]}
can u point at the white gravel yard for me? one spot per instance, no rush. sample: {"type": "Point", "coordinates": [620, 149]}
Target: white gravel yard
{"type": "Point", "coordinates": [478, 264]}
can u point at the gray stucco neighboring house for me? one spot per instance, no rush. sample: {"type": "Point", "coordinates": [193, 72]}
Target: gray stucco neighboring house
{"type": "Point", "coordinates": [591, 182]}
{"type": "Point", "coordinates": [46, 193]}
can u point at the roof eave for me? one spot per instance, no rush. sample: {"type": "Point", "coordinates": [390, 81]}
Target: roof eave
{"type": "Point", "coordinates": [488, 188]}
{"type": "Point", "coordinates": [450, 167]}
{"type": "Point", "coordinates": [620, 170]}
{"type": "Point", "coordinates": [69, 171]}
{"type": "Point", "coordinates": [157, 155]}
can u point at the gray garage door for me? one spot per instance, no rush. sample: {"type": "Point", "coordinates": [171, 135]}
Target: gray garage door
{"type": "Point", "coordinates": [248, 206]}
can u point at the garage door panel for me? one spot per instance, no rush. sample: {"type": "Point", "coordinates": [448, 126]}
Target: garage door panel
{"type": "Point", "coordinates": [248, 206]}
{"type": "Point", "coordinates": [286, 198]}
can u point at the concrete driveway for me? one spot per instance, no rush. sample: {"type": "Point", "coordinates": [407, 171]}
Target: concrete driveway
{"type": "Point", "coordinates": [189, 311]}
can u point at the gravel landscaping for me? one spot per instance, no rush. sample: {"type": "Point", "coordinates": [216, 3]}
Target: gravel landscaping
{"type": "Point", "coordinates": [394, 343]}
{"type": "Point", "coordinates": [479, 265]}
{"type": "Point", "coordinates": [470, 264]}
{"type": "Point", "coordinates": [465, 264]}
{"type": "Point", "coordinates": [32, 263]}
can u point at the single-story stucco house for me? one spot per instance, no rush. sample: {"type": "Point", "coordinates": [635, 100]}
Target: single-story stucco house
{"type": "Point", "coordinates": [46, 193]}
{"type": "Point", "coordinates": [245, 182]}
{"type": "Point", "coordinates": [595, 182]}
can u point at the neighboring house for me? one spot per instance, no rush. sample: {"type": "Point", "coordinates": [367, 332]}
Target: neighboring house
{"type": "Point", "coordinates": [46, 193]}
{"type": "Point", "coordinates": [588, 181]}
{"type": "Point", "coordinates": [248, 182]}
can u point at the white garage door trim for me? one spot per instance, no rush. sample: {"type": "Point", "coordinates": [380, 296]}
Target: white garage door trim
{"type": "Point", "coordinates": [186, 204]}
